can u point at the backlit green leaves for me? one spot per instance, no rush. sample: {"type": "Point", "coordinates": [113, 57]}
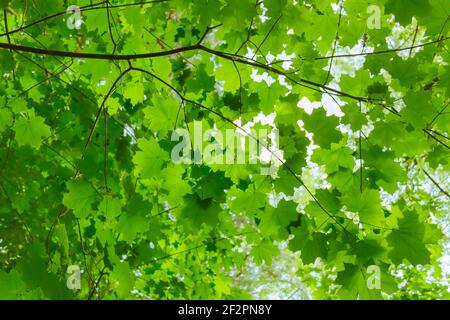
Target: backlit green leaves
{"type": "Point", "coordinates": [6, 118]}
{"type": "Point", "coordinates": [30, 130]}
{"type": "Point", "coordinates": [408, 241]}
{"type": "Point", "coordinates": [404, 10]}
{"type": "Point", "coordinates": [79, 198]}
{"type": "Point", "coordinates": [150, 159]}
{"type": "Point", "coordinates": [163, 114]}
{"type": "Point", "coordinates": [135, 92]}
{"type": "Point", "coordinates": [87, 177]}
{"type": "Point", "coordinates": [275, 221]}
{"type": "Point", "coordinates": [312, 244]}
{"type": "Point", "coordinates": [366, 204]}
{"type": "Point", "coordinates": [12, 285]}
{"type": "Point", "coordinates": [323, 128]}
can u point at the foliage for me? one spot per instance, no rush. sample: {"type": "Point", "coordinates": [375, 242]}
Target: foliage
{"type": "Point", "coordinates": [86, 117]}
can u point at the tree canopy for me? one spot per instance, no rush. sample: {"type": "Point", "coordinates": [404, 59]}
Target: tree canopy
{"type": "Point", "coordinates": [357, 91]}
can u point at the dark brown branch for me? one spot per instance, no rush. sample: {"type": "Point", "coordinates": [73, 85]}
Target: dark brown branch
{"type": "Point", "coordinates": [440, 113]}
{"type": "Point", "coordinates": [258, 48]}
{"type": "Point", "coordinates": [334, 44]}
{"type": "Point", "coordinates": [103, 56]}
{"type": "Point", "coordinates": [102, 106]}
{"type": "Point", "coordinates": [383, 51]}
{"type": "Point", "coordinates": [436, 139]}
{"type": "Point", "coordinates": [110, 28]}
{"type": "Point", "coordinates": [303, 82]}
{"type": "Point", "coordinates": [208, 30]}
{"type": "Point", "coordinates": [436, 184]}
{"type": "Point", "coordinates": [97, 282]}
{"type": "Point", "coordinates": [414, 40]}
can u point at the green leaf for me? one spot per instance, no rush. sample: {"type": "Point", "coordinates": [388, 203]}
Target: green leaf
{"type": "Point", "coordinates": [354, 284]}
{"type": "Point", "coordinates": [31, 130]}
{"type": "Point", "coordinates": [6, 119]}
{"type": "Point", "coordinates": [311, 244]}
{"type": "Point", "coordinates": [111, 207]}
{"type": "Point", "coordinates": [275, 221]}
{"type": "Point", "coordinates": [123, 279]}
{"type": "Point", "coordinates": [135, 92]}
{"type": "Point", "coordinates": [149, 161]}
{"type": "Point", "coordinates": [264, 252]}
{"type": "Point", "coordinates": [404, 10]}
{"type": "Point", "coordinates": [163, 114]}
{"type": "Point", "coordinates": [197, 212]}
{"type": "Point", "coordinates": [323, 128]}
{"type": "Point", "coordinates": [100, 190]}
{"type": "Point", "coordinates": [366, 204]}
{"type": "Point", "coordinates": [407, 241]}
{"type": "Point", "coordinates": [80, 198]}
{"type": "Point", "coordinates": [12, 285]}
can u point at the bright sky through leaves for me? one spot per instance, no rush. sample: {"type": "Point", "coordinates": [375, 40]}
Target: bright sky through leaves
{"type": "Point", "coordinates": [358, 91]}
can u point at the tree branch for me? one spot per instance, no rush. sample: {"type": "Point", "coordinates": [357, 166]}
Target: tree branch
{"type": "Point", "coordinates": [436, 184]}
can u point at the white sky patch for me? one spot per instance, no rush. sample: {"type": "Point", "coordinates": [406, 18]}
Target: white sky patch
{"type": "Point", "coordinates": [129, 131]}
{"type": "Point", "coordinates": [263, 18]}
{"type": "Point", "coordinates": [347, 65]}
{"type": "Point", "coordinates": [251, 53]}
{"type": "Point", "coordinates": [307, 105]}
{"type": "Point", "coordinates": [332, 104]}
{"type": "Point", "coordinates": [283, 82]}
{"type": "Point", "coordinates": [262, 77]}
{"type": "Point", "coordinates": [402, 37]}
{"type": "Point", "coordinates": [283, 56]}
{"type": "Point", "coordinates": [218, 87]}
{"type": "Point", "coordinates": [272, 153]}
{"type": "Point", "coordinates": [286, 58]}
